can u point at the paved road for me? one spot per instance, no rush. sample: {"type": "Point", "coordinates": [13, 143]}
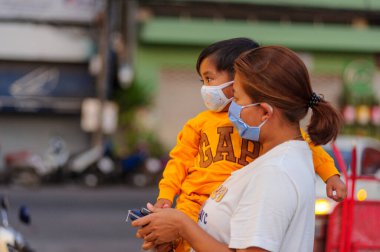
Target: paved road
{"type": "Point", "coordinates": [75, 219]}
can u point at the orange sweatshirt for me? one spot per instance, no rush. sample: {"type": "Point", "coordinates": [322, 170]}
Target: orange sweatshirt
{"type": "Point", "coordinates": [208, 149]}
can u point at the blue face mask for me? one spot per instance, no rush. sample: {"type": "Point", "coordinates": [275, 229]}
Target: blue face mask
{"type": "Point", "coordinates": [245, 131]}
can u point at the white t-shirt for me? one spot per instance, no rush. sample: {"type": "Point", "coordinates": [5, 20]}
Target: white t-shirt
{"type": "Point", "coordinates": [268, 203]}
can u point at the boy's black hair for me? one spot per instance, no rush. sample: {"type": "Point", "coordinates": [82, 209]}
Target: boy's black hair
{"type": "Point", "coordinates": [225, 52]}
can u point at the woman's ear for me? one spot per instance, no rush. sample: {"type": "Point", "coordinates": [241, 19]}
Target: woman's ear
{"type": "Point", "coordinates": [268, 111]}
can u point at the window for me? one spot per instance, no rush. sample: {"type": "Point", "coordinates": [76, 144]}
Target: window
{"type": "Point", "coordinates": [370, 162]}
{"type": "Point", "coordinates": [346, 155]}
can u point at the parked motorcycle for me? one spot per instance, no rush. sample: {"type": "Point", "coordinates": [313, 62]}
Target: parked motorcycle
{"type": "Point", "coordinates": [10, 239]}
{"type": "Point", "coordinates": [93, 167]}
{"type": "Point", "coordinates": [27, 168]}
{"type": "Point", "coordinates": [139, 169]}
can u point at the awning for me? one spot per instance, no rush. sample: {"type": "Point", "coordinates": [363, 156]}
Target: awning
{"type": "Point", "coordinates": [298, 36]}
{"type": "Point", "coordinates": [359, 5]}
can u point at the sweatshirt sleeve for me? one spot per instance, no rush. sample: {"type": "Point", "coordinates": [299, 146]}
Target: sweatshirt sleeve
{"type": "Point", "coordinates": [324, 164]}
{"type": "Point", "coordinates": [182, 156]}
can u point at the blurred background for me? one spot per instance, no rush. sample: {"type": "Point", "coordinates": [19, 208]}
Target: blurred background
{"type": "Point", "coordinates": [118, 77]}
{"type": "Point", "coordinates": [94, 92]}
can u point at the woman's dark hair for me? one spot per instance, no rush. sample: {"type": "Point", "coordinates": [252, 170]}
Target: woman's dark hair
{"type": "Point", "coordinates": [277, 76]}
{"type": "Point", "coordinates": [225, 52]}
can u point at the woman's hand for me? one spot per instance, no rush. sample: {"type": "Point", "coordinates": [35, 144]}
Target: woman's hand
{"type": "Point", "coordinates": [334, 183]}
{"type": "Point", "coordinates": [161, 203]}
{"type": "Point", "coordinates": [163, 225]}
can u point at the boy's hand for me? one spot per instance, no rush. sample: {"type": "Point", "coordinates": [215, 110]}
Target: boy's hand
{"type": "Point", "coordinates": [334, 183]}
{"type": "Point", "coordinates": [163, 203]}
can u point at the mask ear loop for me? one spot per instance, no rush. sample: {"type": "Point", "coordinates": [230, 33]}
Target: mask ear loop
{"type": "Point", "coordinates": [255, 104]}
{"type": "Point", "coordinates": [271, 108]}
{"type": "Point", "coordinates": [247, 106]}
{"type": "Point", "coordinates": [220, 90]}
{"type": "Point", "coordinates": [271, 111]}
{"type": "Point", "coordinates": [221, 93]}
{"type": "Point", "coordinates": [221, 86]}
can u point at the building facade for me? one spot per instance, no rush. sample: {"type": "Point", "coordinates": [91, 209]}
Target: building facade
{"type": "Point", "coordinates": [45, 48]}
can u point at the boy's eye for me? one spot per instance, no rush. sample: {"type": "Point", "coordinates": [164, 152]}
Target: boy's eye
{"type": "Point", "coordinates": [206, 80]}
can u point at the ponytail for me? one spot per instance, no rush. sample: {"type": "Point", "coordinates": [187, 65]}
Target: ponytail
{"type": "Point", "coordinates": [325, 122]}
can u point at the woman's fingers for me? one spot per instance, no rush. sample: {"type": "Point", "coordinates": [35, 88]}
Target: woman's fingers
{"type": "Point", "coordinates": [141, 221]}
{"type": "Point", "coordinates": [138, 235]}
{"type": "Point", "coordinates": [143, 232]}
{"type": "Point", "coordinates": [151, 238]}
{"type": "Point", "coordinates": [146, 219]}
{"type": "Point", "coordinates": [147, 245]}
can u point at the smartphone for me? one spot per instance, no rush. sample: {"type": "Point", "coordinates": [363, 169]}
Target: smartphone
{"type": "Point", "coordinates": [136, 213]}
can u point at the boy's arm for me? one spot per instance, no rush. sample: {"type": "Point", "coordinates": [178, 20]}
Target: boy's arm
{"type": "Point", "coordinates": [325, 168]}
{"type": "Point", "coordinates": [323, 163]}
{"type": "Point", "coordinates": [182, 156]}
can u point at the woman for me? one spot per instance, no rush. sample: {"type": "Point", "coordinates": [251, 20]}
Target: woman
{"type": "Point", "coordinates": [269, 204]}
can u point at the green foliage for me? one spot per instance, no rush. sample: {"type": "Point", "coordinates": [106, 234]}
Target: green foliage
{"type": "Point", "coordinates": [130, 100]}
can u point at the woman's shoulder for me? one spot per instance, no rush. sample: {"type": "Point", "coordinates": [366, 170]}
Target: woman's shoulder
{"type": "Point", "coordinates": [282, 151]}
{"type": "Point", "coordinates": [285, 157]}
{"type": "Point", "coordinates": [290, 149]}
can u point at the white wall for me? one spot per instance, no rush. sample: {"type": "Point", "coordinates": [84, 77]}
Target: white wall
{"type": "Point", "coordinates": [40, 42]}
{"type": "Point", "coordinates": [178, 99]}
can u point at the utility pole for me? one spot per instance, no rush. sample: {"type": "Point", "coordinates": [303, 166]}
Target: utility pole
{"type": "Point", "coordinates": [102, 78]}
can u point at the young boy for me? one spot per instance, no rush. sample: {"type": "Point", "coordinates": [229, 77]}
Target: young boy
{"type": "Point", "coordinates": [209, 148]}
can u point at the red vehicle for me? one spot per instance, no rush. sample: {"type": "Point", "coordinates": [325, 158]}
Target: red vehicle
{"type": "Point", "coordinates": [354, 224]}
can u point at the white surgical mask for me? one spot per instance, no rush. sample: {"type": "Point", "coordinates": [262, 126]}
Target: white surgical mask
{"type": "Point", "coordinates": [214, 98]}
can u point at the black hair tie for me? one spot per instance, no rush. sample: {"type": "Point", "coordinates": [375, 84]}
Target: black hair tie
{"type": "Point", "coordinates": [314, 99]}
